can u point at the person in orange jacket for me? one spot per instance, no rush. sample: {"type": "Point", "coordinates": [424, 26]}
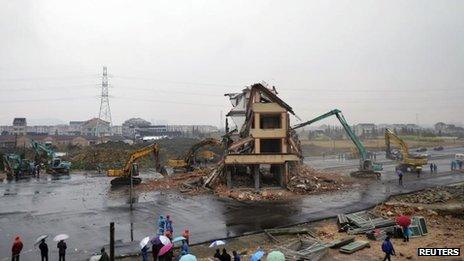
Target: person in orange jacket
{"type": "Point", "coordinates": [16, 249]}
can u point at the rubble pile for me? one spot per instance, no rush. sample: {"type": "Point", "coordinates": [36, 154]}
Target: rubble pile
{"type": "Point", "coordinates": [304, 179]}
{"type": "Point", "coordinates": [251, 195]}
{"type": "Point", "coordinates": [435, 195]}
{"type": "Point", "coordinates": [189, 183]}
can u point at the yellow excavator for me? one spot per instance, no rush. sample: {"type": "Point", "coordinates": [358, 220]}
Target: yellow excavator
{"type": "Point", "coordinates": [187, 160]}
{"type": "Point", "coordinates": [123, 175]}
{"type": "Point", "coordinates": [407, 161]}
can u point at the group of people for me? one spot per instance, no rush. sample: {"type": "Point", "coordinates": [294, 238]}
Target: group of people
{"type": "Point", "coordinates": [166, 228]}
{"type": "Point", "coordinates": [225, 256]}
{"type": "Point", "coordinates": [433, 168]}
{"type": "Point", "coordinates": [43, 247]}
{"type": "Point", "coordinates": [400, 173]}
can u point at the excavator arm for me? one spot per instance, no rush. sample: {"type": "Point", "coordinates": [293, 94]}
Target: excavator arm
{"type": "Point", "coordinates": [365, 163]}
{"type": "Point", "coordinates": [186, 160]}
{"type": "Point", "coordinates": [390, 136]}
{"type": "Point", "coordinates": [143, 152]}
{"type": "Point", "coordinates": [361, 149]}
{"type": "Point", "coordinates": [41, 149]}
{"type": "Point", "coordinates": [413, 162]}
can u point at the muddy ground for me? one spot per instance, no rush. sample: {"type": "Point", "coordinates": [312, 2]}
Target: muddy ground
{"type": "Point", "coordinates": [446, 229]}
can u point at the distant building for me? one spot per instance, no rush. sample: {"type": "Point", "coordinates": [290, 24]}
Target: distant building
{"type": "Point", "coordinates": [7, 141]}
{"type": "Point", "coordinates": [39, 129]}
{"type": "Point", "coordinates": [130, 127]}
{"type": "Point", "coordinates": [75, 127]}
{"type": "Point", "coordinates": [89, 128]}
{"type": "Point", "coordinates": [366, 130]}
{"type": "Point", "coordinates": [19, 126]}
{"type": "Point", "coordinates": [448, 129]}
{"type": "Point", "coordinates": [116, 130]}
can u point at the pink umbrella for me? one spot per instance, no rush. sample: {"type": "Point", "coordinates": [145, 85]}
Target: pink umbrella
{"type": "Point", "coordinates": [165, 249]}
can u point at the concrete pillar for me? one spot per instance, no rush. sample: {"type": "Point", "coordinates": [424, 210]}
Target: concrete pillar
{"type": "Point", "coordinates": [257, 120]}
{"type": "Point", "coordinates": [284, 175]}
{"type": "Point", "coordinates": [257, 146]}
{"type": "Point", "coordinates": [255, 172]}
{"type": "Point", "coordinates": [281, 169]}
{"type": "Point", "coordinates": [229, 177]}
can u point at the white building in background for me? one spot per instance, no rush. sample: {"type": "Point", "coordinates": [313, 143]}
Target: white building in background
{"type": "Point", "coordinates": [365, 129]}
{"type": "Point", "coordinates": [19, 126]}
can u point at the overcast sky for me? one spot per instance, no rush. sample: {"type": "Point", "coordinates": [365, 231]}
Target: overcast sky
{"type": "Point", "coordinates": [377, 61]}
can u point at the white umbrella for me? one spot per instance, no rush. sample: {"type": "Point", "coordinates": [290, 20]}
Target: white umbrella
{"type": "Point", "coordinates": [95, 258]}
{"type": "Point", "coordinates": [144, 242]}
{"type": "Point", "coordinates": [61, 237]}
{"type": "Point", "coordinates": [40, 238]}
{"type": "Point", "coordinates": [217, 243]}
{"type": "Point", "coordinates": [164, 240]}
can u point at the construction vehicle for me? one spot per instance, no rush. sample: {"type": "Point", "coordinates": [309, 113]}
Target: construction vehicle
{"type": "Point", "coordinates": [187, 161]}
{"type": "Point", "coordinates": [15, 166]}
{"type": "Point", "coordinates": [130, 169]}
{"type": "Point", "coordinates": [407, 162]}
{"type": "Point", "coordinates": [366, 166]}
{"type": "Point", "coordinates": [44, 154]}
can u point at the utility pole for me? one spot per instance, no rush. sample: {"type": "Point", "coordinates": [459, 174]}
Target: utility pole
{"type": "Point", "coordinates": [105, 111]}
{"type": "Point", "coordinates": [112, 241]}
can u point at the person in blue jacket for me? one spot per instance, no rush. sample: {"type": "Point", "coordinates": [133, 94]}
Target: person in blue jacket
{"type": "Point", "coordinates": [387, 248]}
{"type": "Point", "coordinates": [168, 224]}
{"type": "Point", "coordinates": [161, 225]}
{"type": "Point", "coordinates": [185, 246]}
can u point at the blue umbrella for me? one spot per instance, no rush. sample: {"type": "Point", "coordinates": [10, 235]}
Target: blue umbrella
{"type": "Point", "coordinates": [188, 257]}
{"type": "Point", "coordinates": [257, 256]}
{"type": "Point", "coordinates": [178, 239]}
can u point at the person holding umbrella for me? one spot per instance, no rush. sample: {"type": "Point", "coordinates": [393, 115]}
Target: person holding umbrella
{"type": "Point", "coordinates": [103, 255]}
{"type": "Point", "coordinates": [144, 253]}
{"type": "Point", "coordinates": [217, 254]}
{"type": "Point", "coordinates": [61, 250]}
{"type": "Point", "coordinates": [236, 256]}
{"type": "Point", "coordinates": [404, 222]}
{"type": "Point", "coordinates": [16, 249]}
{"type": "Point", "coordinates": [166, 253]}
{"type": "Point", "coordinates": [43, 250]}
{"type": "Point", "coordinates": [225, 256]}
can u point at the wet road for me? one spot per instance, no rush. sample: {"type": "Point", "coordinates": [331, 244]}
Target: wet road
{"type": "Point", "coordinates": [83, 206]}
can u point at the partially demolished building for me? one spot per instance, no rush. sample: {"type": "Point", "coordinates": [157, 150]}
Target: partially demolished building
{"type": "Point", "coordinates": [260, 142]}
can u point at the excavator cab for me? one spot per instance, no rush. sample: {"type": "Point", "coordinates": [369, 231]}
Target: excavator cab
{"type": "Point", "coordinates": [131, 168]}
